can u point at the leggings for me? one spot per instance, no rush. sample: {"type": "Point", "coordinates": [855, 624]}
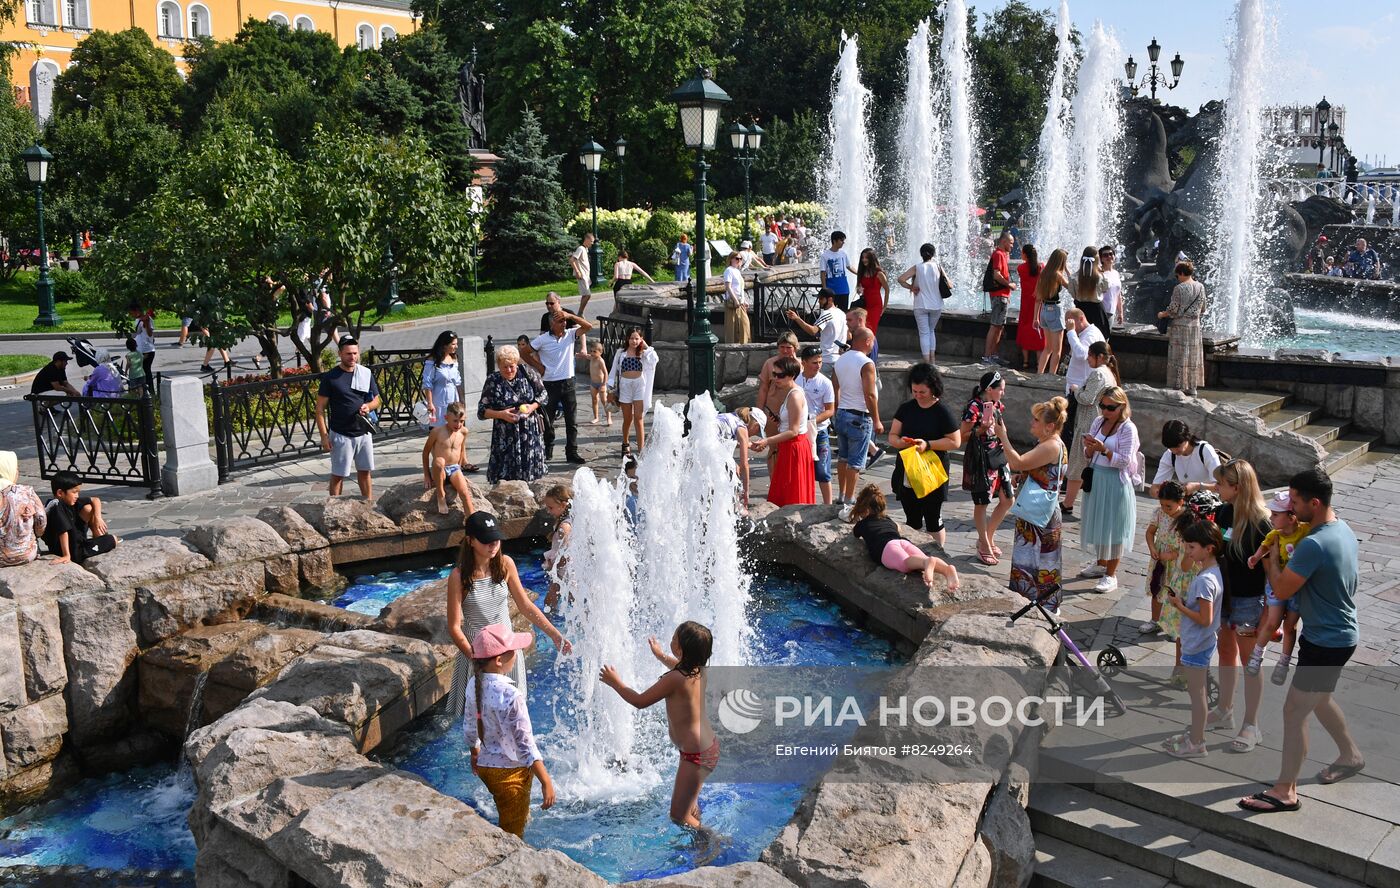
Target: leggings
{"type": "Point", "coordinates": [924, 513]}
{"type": "Point", "coordinates": [927, 322]}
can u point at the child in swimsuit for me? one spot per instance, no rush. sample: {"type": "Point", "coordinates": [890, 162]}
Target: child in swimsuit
{"type": "Point", "coordinates": [556, 502]}
{"type": "Point", "coordinates": [598, 383]}
{"type": "Point", "coordinates": [444, 454]}
{"type": "Point", "coordinates": [683, 689]}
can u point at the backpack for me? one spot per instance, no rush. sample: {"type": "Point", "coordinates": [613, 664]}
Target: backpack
{"type": "Point", "coordinates": [1203, 444]}
{"type": "Point", "coordinates": [989, 281]}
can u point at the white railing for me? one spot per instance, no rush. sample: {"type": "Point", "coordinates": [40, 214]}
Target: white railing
{"type": "Point", "coordinates": [1386, 190]}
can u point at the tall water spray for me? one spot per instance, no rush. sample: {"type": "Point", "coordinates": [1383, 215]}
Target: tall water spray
{"type": "Point", "coordinates": [955, 190]}
{"type": "Point", "coordinates": [919, 134]}
{"type": "Point", "coordinates": [848, 175]}
{"type": "Point", "coordinates": [1052, 223]}
{"type": "Point", "coordinates": [1237, 278]}
{"type": "Point", "coordinates": [626, 581]}
{"type": "Point", "coordinates": [1095, 146]}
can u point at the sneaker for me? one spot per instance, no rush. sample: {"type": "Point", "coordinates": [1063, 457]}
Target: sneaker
{"type": "Point", "coordinates": [205, 368]}
{"type": "Point", "coordinates": [878, 455]}
{"type": "Point", "coordinates": [1256, 661]}
{"type": "Point", "coordinates": [845, 513]}
{"type": "Point", "coordinates": [1066, 511]}
{"type": "Point", "coordinates": [1106, 584]}
{"type": "Point", "coordinates": [1149, 628]}
{"type": "Point", "coordinates": [998, 359]}
{"type": "Point", "coordinates": [989, 359]}
{"type": "Point", "coordinates": [1280, 674]}
{"type": "Point", "coordinates": [1218, 720]}
{"type": "Point", "coordinates": [1092, 571]}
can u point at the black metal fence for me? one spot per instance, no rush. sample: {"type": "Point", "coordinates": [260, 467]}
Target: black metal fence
{"type": "Point", "coordinates": [612, 332]}
{"type": "Point", "coordinates": [771, 299]}
{"type": "Point", "coordinates": [274, 420]}
{"type": "Point", "coordinates": [100, 440]}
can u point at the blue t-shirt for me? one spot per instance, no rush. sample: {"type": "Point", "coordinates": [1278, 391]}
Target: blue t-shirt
{"type": "Point", "coordinates": [835, 263]}
{"type": "Point", "coordinates": [1327, 560]}
{"type": "Point", "coordinates": [1207, 586]}
{"type": "Point", "coordinates": [344, 402]}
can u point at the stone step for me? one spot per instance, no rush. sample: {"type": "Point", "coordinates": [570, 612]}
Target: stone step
{"type": "Point", "coordinates": [1184, 854]}
{"type": "Point", "coordinates": [1291, 418]}
{"type": "Point", "coordinates": [1324, 431]}
{"type": "Point", "coordinates": [1346, 450]}
{"type": "Point", "coordinates": [1063, 865]}
{"type": "Point", "coordinates": [1258, 403]}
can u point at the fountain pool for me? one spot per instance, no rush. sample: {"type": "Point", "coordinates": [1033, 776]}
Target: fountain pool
{"type": "Point", "coordinates": [630, 836]}
{"type": "Point", "coordinates": [1337, 331]}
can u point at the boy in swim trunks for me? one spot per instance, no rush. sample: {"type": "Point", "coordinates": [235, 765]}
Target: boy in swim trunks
{"type": "Point", "coordinates": [683, 689]}
{"type": "Point", "coordinates": [444, 453]}
{"type": "Point", "coordinates": [598, 383]}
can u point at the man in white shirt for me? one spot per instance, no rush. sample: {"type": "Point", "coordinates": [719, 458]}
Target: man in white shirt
{"type": "Point", "coordinates": [830, 325]}
{"type": "Point", "coordinates": [556, 350]}
{"type": "Point", "coordinates": [1079, 335]}
{"type": "Point", "coordinates": [821, 406]}
{"type": "Point", "coordinates": [583, 271]}
{"type": "Point", "coordinates": [1111, 285]}
{"type": "Point", "coordinates": [768, 243]}
{"type": "Point", "coordinates": [751, 260]}
{"type": "Point", "coordinates": [857, 414]}
{"type": "Point", "coordinates": [736, 304]}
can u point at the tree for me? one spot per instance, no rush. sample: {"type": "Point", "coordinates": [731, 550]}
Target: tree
{"type": "Point", "coordinates": [17, 132]}
{"type": "Point", "coordinates": [524, 227]}
{"type": "Point", "coordinates": [125, 68]}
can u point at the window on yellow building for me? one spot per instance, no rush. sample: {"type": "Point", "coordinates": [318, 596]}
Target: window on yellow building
{"type": "Point", "coordinates": [169, 20]}
{"type": "Point", "coordinates": [41, 12]}
{"type": "Point", "coordinates": [304, 23]}
{"type": "Point", "coordinates": [364, 36]}
{"type": "Point", "coordinates": [75, 14]}
{"type": "Point", "coordinates": [199, 21]}
{"type": "Point", "coordinates": [386, 34]}
{"type": "Point", "coordinates": [278, 18]}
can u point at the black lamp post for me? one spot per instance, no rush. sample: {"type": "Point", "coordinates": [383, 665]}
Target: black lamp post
{"type": "Point", "coordinates": [391, 303]}
{"type": "Point", "coordinates": [1155, 77]}
{"type": "Point", "coordinates": [1324, 109]}
{"type": "Point", "coordinates": [620, 146]}
{"type": "Point", "coordinates": [591, 156]}
{"type": "Point", "coordinates": [36, 164]}
{"type": "Point", "coordinates": [745, 140]}
{"type": "Point", "coordinates": [699, 101]}
{"type": "Point", "coordinates": [1332, 130]}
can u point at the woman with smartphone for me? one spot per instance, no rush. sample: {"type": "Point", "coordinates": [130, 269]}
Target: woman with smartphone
{"type": "Point", "coordinates": [985, 473]}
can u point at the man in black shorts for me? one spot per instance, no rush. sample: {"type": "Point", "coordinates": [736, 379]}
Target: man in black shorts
{"type": "Point", "coordinates": [1322, 572]}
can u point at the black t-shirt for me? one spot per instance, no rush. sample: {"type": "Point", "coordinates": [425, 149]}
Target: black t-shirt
{"type": "Point", "coordinates": [62, 518]}
{"type": "Point", "coordinates": [929, 423]}
{"type": "Point", "coordinates": [876, 532]}
{"type": "Point", "coordinates": [48, 375]}
{"type": "Point", "coordinates": [344, 404]}
{"type": "Point", "coordinates": [1241, 580]}
{"type": "Point", "coordinates": [544, 322]}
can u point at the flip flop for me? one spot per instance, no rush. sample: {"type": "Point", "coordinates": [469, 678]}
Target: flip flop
{"type": "Point", "coordinates": [471, 468]}
{"type": "Point", "coordinates": [986, 558]}
{"type": "Point", "coordinates": [1275, 805]}
{"type": "Point", "coordinates": [1334, 773]}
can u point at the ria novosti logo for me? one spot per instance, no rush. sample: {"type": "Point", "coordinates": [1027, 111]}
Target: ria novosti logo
{"type": "Point", "coordinates": [740, 711]}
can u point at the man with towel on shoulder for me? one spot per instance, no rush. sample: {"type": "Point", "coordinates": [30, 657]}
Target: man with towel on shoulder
{"type": "Point", "coordinates": [352, 395]}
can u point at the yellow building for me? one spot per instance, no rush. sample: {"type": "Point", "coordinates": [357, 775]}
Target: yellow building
{"type": "Point", "coordinates": [48, 30]}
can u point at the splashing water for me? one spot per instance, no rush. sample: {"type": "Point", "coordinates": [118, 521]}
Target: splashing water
{"type": "Point", "coordinates": [848, 174]}
{"type": "Point", "coordinates": [680, 562]}
{"type": "Point", "coordinates": [1095, 144]}
{"type": "Point", "coordinates": [956, 188]}
{"type": "Point", "coordinates": [1050, 190]}
{"type": "Point", "coordinates": [919, 132]}
{"type": "Point", "coordinates": [1237, 276]}
{"type": "Point", "coordinates": [1371, 210]}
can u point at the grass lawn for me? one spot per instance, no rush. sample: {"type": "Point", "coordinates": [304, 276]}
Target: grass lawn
{"type": "Point", "coordinates": [19, 306]}
{"type": "Point", "coordinates": [14, 365]}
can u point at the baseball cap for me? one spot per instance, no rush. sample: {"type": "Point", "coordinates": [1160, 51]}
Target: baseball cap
{"type": "Point", "coordinates": [1281, 502]}
{"type": "Point", "coordinates": [810, 351]}
{"type": "Point", "coordinates": [482, 527]}
{"type": "Point", "coordinates": [498, 638]}
{"type": "Point", "coordinates": [61, 356]}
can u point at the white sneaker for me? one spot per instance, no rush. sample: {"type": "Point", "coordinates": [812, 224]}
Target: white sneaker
{"type": "Point", "coordinates": [1106, 584]}
{"type": "Point", "coordinates": [1223, 721]}
{"type": "Point", "coordinates": [1092, 570]}
{"type": "Point", "coordinates": [1149, 628]}
{"type": "Point", "coordinates": [845, 513]}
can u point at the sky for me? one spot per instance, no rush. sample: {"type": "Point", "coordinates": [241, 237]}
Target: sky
{"type": "Point", "coordinates": [1349, 55]}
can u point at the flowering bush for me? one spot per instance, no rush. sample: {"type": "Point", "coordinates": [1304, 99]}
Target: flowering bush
{"type": "Point", "coordinates": [628, 226]}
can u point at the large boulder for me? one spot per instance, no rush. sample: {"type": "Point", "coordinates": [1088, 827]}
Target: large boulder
{"type": "Point", "coordinates": [270, 715]}
{"type": "Point", "coordinates": [421, 613]}
{"type": "Point", "coordinates": [414, 509]}
{"type": "Point", "coordinates": [35, 588]}
{"type": "Point", "coordinates": [170, 672]}
{"type": "Point", "coordinates": [241, 538]}
{"type": "Point", "coordinates": [99, 646]}
{"type": "Point", "coordinates": [302, 613]}
{"type": "Point", "coordinates": [299, 535]}
{"type": "Point", "coordinates": [531, 868]}
{"type": "Point", "coordinates": [145, 560]}
{"type": "Point", "coordinates": [253, 664]}
{"type": "Point", "coordinates": [1006, 833]}
{"type": "Point", "coordinates": [223, 594]}
{"type": "Point", "coordinates": [33, 734]}
{"type": "Point", "coordinates": [12, 693]}
{"type": "Point", "coordinates": [393, 832]}
{"type": "Point", "coordinates": [515, 507]}
{"type": "Point", "coordinates": [344, 519]}
{"type": "Point", "coordinates": [736, 875]}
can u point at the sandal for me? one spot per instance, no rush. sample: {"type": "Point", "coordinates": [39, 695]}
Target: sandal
{"type": "Point", "coordinates": [1334, 772]}
{"type": "Point", "coordinates": [471, 468]}
{"type": "Point", "coordinates": [1248, 738]}
{"type": "Point", "coordinates": [986, 558]}
{"type": "Point", "coordinates": [1272, 804]}
{"type": "Point", "coordinates": [996, 550]}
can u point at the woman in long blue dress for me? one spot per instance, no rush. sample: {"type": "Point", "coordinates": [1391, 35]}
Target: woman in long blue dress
{"type": "Point", "coordinates": [513, 397]}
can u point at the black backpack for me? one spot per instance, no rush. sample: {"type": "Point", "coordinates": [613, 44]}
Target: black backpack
{"type": "Point", "coordinates": [989, 280]}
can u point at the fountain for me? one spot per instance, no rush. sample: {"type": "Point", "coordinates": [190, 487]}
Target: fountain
{"type": "Point", "coordinates": [1095, 146]}
{"type": "Point", "coordinates": [1371, 209]}
{"type": "Point", "coordinates": [848, 175]}
{"type": "Point", "coordinates": [955, 192]}
{"type": "Point", "coordinates": [919, 135]}
{"type": "Point", "coordinates": [1237, 277]}
{"type": "Point", "coordinates": [1050, 189]}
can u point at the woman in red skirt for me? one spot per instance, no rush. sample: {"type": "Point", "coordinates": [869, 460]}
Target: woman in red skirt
{"type": "Point", "coordinates": [874, 291]}
{"type": "Point", "coordinates": [794, 478]}
{"type": "Point", "coordinates": [1029, 335]}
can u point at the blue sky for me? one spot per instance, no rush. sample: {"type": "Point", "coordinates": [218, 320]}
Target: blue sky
{"type": "Point", "coordinates": [1344, 49]}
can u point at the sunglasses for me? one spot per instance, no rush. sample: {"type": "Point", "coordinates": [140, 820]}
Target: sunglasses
{"type": "Point", "coordinates": [1109, 407]}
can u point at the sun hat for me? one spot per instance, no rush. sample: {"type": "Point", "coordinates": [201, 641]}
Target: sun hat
{"type": "Point", "coordinates": [1281, 502]}
{"type": "Point", "coordinates": [498, 638]}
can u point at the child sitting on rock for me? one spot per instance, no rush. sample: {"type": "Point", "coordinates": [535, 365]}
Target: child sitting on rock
{"type": "Point", "coordinates": [444, 454]}
{"type": "Point", "coordinates": [887, 547]}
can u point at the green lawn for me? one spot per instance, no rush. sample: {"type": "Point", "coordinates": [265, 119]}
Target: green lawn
{"type": "Point", "coordinates": [14, 365]}
{"type": "Point", "coordinates": [19, 306]}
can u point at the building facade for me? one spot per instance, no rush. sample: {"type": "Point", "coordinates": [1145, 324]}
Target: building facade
{"type": "Point", "coordinates": [49, 30]}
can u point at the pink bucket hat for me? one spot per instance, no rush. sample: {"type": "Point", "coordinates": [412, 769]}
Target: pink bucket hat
{"type": "Point", "coordinates": [498, 638]}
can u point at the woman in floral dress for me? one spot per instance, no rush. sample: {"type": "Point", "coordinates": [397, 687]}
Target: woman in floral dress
{"type": "Point", "coordinates": [1035, 551]}
{"type": "Point", "coordinates": [512, 396]}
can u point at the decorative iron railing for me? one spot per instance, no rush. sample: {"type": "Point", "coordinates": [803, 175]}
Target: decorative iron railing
{"type": "Point", "coordinates": [772, 299]}
{"type": "Point", "coordinates": [612, 332]}
{"type": "Point", "coordinates": [274, 420]}
{"type": "Point", "coordinates": [100, 440]}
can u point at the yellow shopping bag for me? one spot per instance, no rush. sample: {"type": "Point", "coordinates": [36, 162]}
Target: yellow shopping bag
{"type": "Point", "coordinates": [923, 472]}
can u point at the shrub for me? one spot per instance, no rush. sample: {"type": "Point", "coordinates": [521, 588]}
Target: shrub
{"type": "Point", "coordinates": [664, 226]}
{"type": "Point", "coordinates": [607, 259]}
{"type": "Point", "coordinates": [71, 286]}
{"type": "Point", "coordinates": [652, 253]}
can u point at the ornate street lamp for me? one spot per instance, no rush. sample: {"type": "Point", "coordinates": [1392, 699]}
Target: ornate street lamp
{"type": "Point", "coordinates": [739, 141]}
{"type": "Point", "coordinates": [699, 101]}
{"type": "Point", "coordinates": [591, 156]}
{"type": "Point", "coordinates": [36, 165]}
{"type": "Point", "coordinates": [1155, 77]}
{"type": "Point", "coordinates": [1324, 113]}
{"type": "Point", "coordinates": [620, 146]}
{"type": "Point", "coordinates": [390, 303]}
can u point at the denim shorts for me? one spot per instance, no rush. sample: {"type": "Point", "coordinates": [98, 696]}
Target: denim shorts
{"type": "Point", "coordinates": [1245, 613]}
{"type": "Point", "coordinates": [823, 465]}
{"type": "Point", "coordinates": [855, 432]}
{"type": "Point", "coordinates": [1291, 605]}
{"type": "Point", "coordinates": [1051, 318]}
{"type": "Point", "coordinates": [1199, 660]}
